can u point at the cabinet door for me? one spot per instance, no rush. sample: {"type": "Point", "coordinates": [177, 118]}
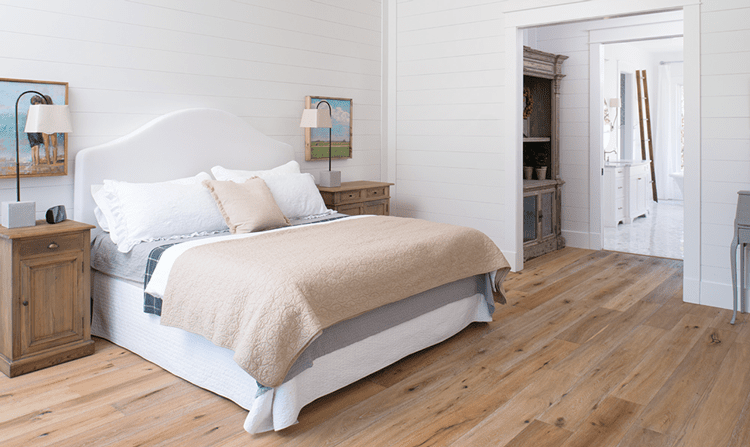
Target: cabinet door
{"type": "Point", "coordinates": [529, 218]}
{"type": "Point", "coordinates": [547, 213]}
{"type": "Point", "coordinates": [51, 298]}
{"type": "Point", "coordinates": [642, 194]}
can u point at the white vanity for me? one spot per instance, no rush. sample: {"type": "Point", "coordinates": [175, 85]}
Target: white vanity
{"type": "Point", "coordinates": [626, 188]}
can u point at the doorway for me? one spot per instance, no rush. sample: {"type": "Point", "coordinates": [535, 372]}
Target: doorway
{"type": "Point", "coordinates": [656, 229]}
{"type": "Point", "coordinates": [588, 233]}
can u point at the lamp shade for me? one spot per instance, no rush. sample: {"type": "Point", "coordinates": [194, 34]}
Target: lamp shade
{"type": "Point", "coordinates": [317, 118]}
{"type": "Point", "coordinates": [48, 119]}
{"type": "Point", "coordinates": [614, 102]}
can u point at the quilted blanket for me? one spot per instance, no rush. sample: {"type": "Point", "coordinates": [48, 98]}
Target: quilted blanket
{"type": "Point", "coordinates": [268, 296]}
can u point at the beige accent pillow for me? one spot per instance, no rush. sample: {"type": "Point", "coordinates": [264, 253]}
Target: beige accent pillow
{"type": "Point", "coordinates": [248, 206]}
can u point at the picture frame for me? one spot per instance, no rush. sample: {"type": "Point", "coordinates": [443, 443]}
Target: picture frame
{"type": "Point", "coordinates": [316, 139]}
{"type": "Point", "coordinates": [49, 157]}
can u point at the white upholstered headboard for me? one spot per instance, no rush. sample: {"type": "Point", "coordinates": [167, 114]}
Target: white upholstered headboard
{"type": "Point", "coordinates": [178, 144]}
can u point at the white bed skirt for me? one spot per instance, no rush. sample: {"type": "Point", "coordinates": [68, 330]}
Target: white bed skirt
{"type": "Point", "coordinates": [118, 317]}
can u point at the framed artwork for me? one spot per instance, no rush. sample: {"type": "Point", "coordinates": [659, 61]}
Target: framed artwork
{"type": "Point", "coordinates": [316, 140]}
{"type": "Point", "coordinates": [40, 154]}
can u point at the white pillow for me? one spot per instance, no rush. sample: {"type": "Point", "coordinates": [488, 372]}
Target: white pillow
{"type": "Point", "coordinates": [103, 208]}
{"type": "Point", "coordinates": [138, 212]}
{"type": "Point", "coordinates": [221, 173]}
{"type": "Point", "coordinates": [296, 194]}
{"type": "Point", "coordinates": [101, 216]}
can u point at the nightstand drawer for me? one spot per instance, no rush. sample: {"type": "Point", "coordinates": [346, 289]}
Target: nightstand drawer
{"type": "Point", "coordinates": [377, 193]}
{"type": "Point", "coordinates": [351, 196]}
{"type": "Point", "coordinates": [49, 245]}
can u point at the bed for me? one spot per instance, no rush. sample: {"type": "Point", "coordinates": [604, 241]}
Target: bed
{"type": "Point", "coordinates": [183, 143]}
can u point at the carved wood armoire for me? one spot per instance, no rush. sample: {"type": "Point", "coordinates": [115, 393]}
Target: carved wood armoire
{"type": "Point", "coordinates": [542, 184]}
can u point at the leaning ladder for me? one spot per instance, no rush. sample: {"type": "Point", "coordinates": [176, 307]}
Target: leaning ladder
{"type": "Point", "coordinates": [646, 133]}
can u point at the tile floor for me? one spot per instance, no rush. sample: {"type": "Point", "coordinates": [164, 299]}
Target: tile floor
{"type": "Point", "coordinates": [660, 233]}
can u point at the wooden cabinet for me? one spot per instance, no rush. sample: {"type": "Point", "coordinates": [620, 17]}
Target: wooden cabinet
{"type": "Point", "coordinates": [361, 197]}
{"type": "Point", "coordinates": [539, 218]}
{"type": "Point", "coordinates": [45, 296]}
{"type": "Point", "coordinates": [542, 73]}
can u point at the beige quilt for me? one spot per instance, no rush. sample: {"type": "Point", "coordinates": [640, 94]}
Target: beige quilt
{"type": "Point", "coordinates": [268, 296]}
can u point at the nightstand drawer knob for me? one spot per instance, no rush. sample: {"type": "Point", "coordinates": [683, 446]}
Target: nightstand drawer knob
{"type": "Point", "coordinates": [25, 303]}
{"type": "Point", "coordinates": [53, 246]}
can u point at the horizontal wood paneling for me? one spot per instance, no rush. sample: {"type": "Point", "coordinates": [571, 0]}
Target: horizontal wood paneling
{"type": "Point", "coordinates": [128, 62]}
{"type": "Point", "coordinates": [449, 158]}
{"type": "Point", "coordinates": [725, 168]}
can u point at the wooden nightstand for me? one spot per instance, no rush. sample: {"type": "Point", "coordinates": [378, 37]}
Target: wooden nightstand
{"type": "Point", "coordinates": [45, 297]}
{"type": "Point", "coordinates": [356, 198]}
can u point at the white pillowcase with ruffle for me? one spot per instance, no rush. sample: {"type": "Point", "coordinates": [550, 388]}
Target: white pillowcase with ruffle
{"type": "Point", "coordinates": [139, 212]}
{"type": "Point", "coordinates": [238, 176]}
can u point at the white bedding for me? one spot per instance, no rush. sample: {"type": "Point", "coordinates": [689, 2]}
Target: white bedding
{"type": "Point", "coordinates": [118, 316]}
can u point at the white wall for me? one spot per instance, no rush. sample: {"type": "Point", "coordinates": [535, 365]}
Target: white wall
{"type": "Point", "coordinates": [725, 140]}
{"type": "Point", "coordinates": [449, 159]}
{"type": "Point", "coordinates": [129, 62]}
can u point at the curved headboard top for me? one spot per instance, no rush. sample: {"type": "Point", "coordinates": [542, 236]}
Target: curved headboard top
{"type": "Point", "coordinates": [178, 144]}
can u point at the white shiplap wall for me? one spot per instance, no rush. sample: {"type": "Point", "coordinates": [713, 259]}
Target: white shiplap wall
{"type": "Point", "coordinates": [725, 120]}
{"type": "Point", "coordinates": [128, 62]}
{"type": "Point", "coordinates": [449, 162]}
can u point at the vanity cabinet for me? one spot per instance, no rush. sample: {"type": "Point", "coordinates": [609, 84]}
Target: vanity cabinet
{"type": "Point", "coordinates": [625, 196]}
{"type": "Point", "coordinates": [638, 188]}
{"type": "Point", "coordinates": [614, 195]}
{"type": "Point", "coordinates": [542, 224]}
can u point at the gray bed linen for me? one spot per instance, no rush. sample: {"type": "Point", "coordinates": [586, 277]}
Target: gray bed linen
{"type": "Point", "coordinates": [359, 328]}
{"type": "Point", "coordinates": [132, 266]}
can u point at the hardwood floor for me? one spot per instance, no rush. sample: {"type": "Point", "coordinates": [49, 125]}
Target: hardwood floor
{"type": "Point", "coordinates": [592, 349]}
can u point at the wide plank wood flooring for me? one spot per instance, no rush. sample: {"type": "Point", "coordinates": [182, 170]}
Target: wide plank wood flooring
{"type": "Point", "coordinates": [593, 349]}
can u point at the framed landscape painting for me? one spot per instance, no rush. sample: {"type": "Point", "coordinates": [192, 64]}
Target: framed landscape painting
{"type": "Point", "coordinates": [39, 154]}
{"type": "Point", "coordinates": [316, 139]}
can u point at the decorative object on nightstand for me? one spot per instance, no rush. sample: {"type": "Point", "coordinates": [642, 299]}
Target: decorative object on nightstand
{"type": "Point", "coordinates": [44, 119]}
{"type": "Point", "coordinates": [317, 118]}
{"type": "Point", "coordinates": [355, 198]}
{"type": "Point", "coordinates": [45, 299]}
{"type": "Point", "coordinates": [56, 214]}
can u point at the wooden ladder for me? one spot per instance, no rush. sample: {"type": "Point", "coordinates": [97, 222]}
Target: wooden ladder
{"type": "Point", "coordinates": [640, 76]}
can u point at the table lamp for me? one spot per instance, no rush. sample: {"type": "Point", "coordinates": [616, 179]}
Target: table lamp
{"type": "Point", "coordinates": [42, 118]}
{"type": "Point", "coordinates": [317, 118]}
